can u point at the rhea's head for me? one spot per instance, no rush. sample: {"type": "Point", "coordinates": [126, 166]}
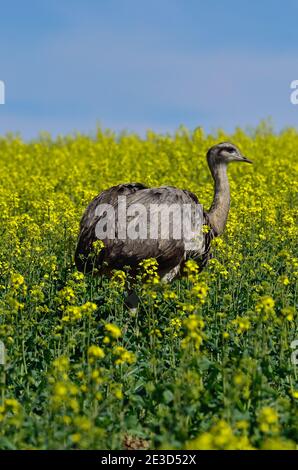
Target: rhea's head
{"type": "Point", "coordinates": [224, 153]}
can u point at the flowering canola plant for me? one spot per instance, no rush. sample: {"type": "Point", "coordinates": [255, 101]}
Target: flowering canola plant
{"type": "Point", "coordinates": [205, 362]}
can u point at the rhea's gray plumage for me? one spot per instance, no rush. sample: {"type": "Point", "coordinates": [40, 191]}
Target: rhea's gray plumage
{"type": "Point", "coordinates": [170, 253]}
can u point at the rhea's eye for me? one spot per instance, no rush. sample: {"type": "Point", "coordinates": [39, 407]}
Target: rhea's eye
{"type": "Point", "coordinates": [230, 150]}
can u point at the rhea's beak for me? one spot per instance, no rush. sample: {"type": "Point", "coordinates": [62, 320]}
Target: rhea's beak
{"type": "Point", "coordinates": [244, 159]}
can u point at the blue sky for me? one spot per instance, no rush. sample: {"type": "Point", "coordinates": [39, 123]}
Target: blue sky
{"type": "Point", "coordinates": [137, 64]}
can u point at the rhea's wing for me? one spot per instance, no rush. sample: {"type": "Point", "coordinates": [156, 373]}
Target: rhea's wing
{"type": "Point", "coordinates": [159, 217]}
{"type": "Point", "coordinates": [85, 259]}
{"type": "Point", "coordinates": [148, 233]}
{"type": "Point", "coordinates": [143, 227]}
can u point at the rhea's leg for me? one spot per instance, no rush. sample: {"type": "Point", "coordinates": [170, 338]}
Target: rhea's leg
{"type": "Point", "coordinates": [169, 274]}
{"type": "Point", "coordinates": [132, 302]}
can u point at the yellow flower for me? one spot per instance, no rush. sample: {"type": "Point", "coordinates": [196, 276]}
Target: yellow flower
{"type": "Point", "coordinates": [193, 325]}
{"type": "Point", "coordinates": [205, 228]}
{"type": "Point", "coordinates": [118, 279]}
{"type": "Point", "coordinates": [175, 327]}
{"type": "Point", "coordinates": [220, 437]}
{"type": "Point", "coordinates": [17, 280]}
{"type": "Point", "coordinates": [242, 324]}
{"type": "Point", "coordinates": [73, 313]}
{"type": "Point", "coordinates": [278, 444]}
{"type": "Point", "coordinates": [200, 291]}
{"type": "Point", "coordinates": [66, 420]}
{"type": "Point", "coordinates": [284, 280]}
{"type": "Point", "coordinates": [76, 437]}
{"type": "Point", "coordinates": [169, 295]}
{"type": "Point", "coordinates": [60, 390]}
{"type": "Point", "coordinates": [156, 332]}
{"type": "Point", "coordinates": [61, 364]}
{"type": "Point", "coordinates": [116, 390]}
{"type": "Point", "coordinates": [123, 356]}
{"type": "Point", "coordinates": [268, 420]}
{"type": "Point", "coordinates": [66, 295]}
{"type": "Point", "coordinates": [150, 271]}
{"type": "Point", "coordinates": [265, 306]}
{"type": "Point", "coordinates": [191, 269]}
{"type": "Point", "coordinates": [98, 246]}
{"type": "Point", "coordinates": [288, 313]}
{"type": "Point", "coordinates": [242, 424]}
{"type": "Point", "coordinates": [113, 330]}
{"type": "Point", "coordinates": [96, 352]}
{"type": "Point", "coordinates": [12, 404]}
{"type": "Point", "coordinates": [74, 405]}
{"type": "Point", "coordinates": [82, 423]}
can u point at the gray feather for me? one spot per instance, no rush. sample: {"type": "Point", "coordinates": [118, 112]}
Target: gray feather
{"type": "Point", "coordinates": [117, 252]}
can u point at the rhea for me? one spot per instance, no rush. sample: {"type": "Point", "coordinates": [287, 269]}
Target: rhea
{"type": "Point", "coordinates": [171, 252]}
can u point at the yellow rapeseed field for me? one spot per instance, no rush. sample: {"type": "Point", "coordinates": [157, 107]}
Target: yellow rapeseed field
{"type": "Point", "coordinates": [207, 361]}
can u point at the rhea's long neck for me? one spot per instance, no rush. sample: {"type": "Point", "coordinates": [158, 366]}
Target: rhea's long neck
{"type": "Point", "coordinates": [219, 210]}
